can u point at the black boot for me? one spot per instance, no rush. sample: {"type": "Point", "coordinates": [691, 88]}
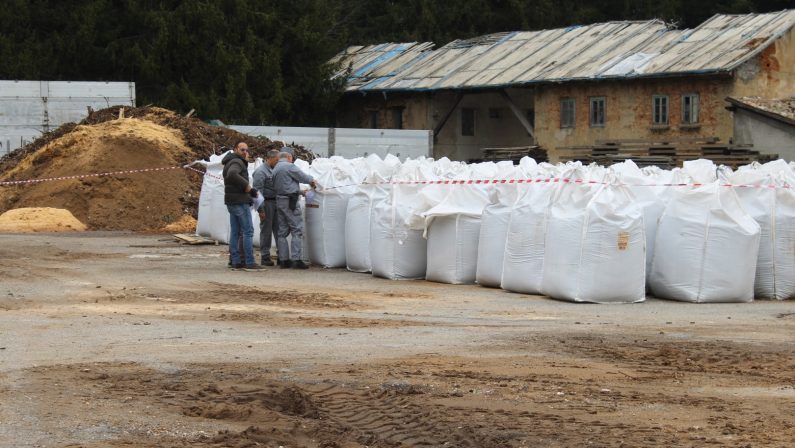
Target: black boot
{"type": "Point", "coordinates": [299, 264]}
{"type": "Point", "coordinates": [285, 264]}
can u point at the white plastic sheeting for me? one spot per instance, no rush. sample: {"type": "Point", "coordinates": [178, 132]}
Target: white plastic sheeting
{"type": "Point", "coordinates": [706, 248]}
{"type": "Point", "coordinates": [774, 210]}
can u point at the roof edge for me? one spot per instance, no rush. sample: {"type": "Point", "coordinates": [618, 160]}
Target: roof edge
{"type": "Point", "coordinates": [736, 102]}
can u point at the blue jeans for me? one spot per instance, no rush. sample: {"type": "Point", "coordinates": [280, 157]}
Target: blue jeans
{"type": "Point", "coordinates": [240, 222]}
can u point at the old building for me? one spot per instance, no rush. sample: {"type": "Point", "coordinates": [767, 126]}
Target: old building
{"type": "Point", "coordinates": [571, 86]}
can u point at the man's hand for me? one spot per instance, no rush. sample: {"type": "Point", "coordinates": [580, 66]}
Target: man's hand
{"type": "Point", "coordinates": [261, 215]}
{"type": "Point", "coordinates": [253, 192]}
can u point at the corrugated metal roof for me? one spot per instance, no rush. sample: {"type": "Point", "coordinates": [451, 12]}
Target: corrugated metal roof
{"type": "Point", "coordinates": [599, 51]}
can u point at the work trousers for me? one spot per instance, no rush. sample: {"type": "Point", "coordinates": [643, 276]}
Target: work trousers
{"type": "Point", "coordinates": [268, 228]}
{"type": "Point", "coordinates": [290, 222]}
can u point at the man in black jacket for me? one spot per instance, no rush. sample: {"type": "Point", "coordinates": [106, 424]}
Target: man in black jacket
{"type": "Point", "coordinates": [238, 197]}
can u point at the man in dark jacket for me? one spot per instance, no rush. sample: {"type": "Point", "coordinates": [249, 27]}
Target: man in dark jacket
{"type": "Point", "coordinates": [238, 197]}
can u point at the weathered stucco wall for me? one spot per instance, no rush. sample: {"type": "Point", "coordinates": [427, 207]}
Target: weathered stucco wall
{"type": "Point", "coordinates": [771, 74]}
{"type": "Point", "coordinates": [768, 136]}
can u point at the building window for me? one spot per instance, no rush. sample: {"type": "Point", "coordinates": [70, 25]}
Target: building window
{"type": "Point", "coordinates": [659, 110]}
{"type": "Point", "coordinates": [494, 112]}
{"type": "Point", "coordinates": [397, 117]}
{"type": "Point", "coordinates": [373, 119]}
{"type": "Point", "coordinates": [567, 113]}
{"type": "Point", "coordinates": [690, 108]}
{"type": "Point", "coordinates": [468, 122]}
{"type": "Point", "coordinates": [597, 111]}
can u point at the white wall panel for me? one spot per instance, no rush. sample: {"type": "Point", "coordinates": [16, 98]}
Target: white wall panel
{"type": "Point", "coordinates": [349, 142]}
{"type": "Point", "coordinates": [30, 108]}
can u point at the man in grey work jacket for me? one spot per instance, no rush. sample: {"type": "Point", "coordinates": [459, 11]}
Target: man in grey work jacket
{"type": "Point", "coordinates": [268, 224]}
{"type": "Point", "coordinates": [286, 177]}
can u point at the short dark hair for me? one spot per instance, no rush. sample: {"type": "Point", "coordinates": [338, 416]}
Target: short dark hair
{"type": "Point", "coordinates": [272, 153]}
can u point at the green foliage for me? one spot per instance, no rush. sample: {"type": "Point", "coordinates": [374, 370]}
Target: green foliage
{"type": "Point", "coordinates": [263, 61]}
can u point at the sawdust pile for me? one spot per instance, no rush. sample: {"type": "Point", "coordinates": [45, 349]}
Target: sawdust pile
{"type": "Point", "coordinates": [39, 219]}
{"type": "Point", "coordinates": [185, 224]}
{"type": "Point", "coordinates": [144, 138]}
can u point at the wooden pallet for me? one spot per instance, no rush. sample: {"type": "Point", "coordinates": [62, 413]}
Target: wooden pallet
{"type": "Point", "coordinates": [187, 238]}
{"type": "Point", "coordinates": [668, 152]}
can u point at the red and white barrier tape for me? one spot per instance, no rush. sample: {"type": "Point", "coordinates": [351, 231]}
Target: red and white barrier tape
{"type": "Point", "coordinates": [205, 173]}
{"type": "Point", "coordinates": [83, 176]}
{"type": "Point", "coordinates": [553, 180]}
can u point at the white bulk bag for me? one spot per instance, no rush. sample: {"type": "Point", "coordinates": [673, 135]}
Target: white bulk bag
{"type": "Point", "coordinates": [494, 225]}
{"type": "Point", "coordinates": [357, 223]}
{"type": "Point", "coordinates": [595, 246]}
{"type": "Point", "coordinates": [396, 250]}
{"type": "Point", "coordinates": [706, 247]}
{"type": "Point", "coordinates": [213, 216]}
{"type": "Point", "coordinates": [772, 205]}
{"type": "Point", "coordinates": [495, 220]}
{"type": "Point", "coordinates": [453, 249]}
{"type": "Point", "coordinates": [453, 223]}
{"type": "Point", "coordinates": [374, 172]}
{"type": "Point", "coordinates": [646, 191]}
{"type": "Point", "coordinates": [325, 215]}
{"type": "Point", "coordinates": [523, 262]}
{"type": "Point", "coordinates": [211, 201]}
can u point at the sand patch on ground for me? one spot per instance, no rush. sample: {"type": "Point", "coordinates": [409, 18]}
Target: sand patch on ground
{"type": "Point", "coordinates": [39, 219]}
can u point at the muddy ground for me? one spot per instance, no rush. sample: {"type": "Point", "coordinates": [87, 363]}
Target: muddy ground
{"type": "Point", "coordinates": [122, 340]}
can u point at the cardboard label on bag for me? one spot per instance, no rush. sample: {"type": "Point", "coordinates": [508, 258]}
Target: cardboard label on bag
{"type": "Point", "coordinates": [623, 240]}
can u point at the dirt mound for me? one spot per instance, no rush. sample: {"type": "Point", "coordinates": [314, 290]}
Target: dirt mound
{"type": "Point", "coordinates": [23, 220]}
{"type": "Point", "coordinates": [139, 201]}
{"type": "Point", "coordinates": [121, 139]}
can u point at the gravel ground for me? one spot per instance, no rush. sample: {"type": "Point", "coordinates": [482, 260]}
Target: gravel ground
{"type": "Point", "coordinates": [118, 339]}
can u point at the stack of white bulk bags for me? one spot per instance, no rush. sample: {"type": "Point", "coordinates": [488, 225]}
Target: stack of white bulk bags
{"type": "Point", "coordinates": [771, 202]}
{"type": "Point", "coordinates": [453, 225]}
{"type": "Point", "coordinates": [326, 211]}
{"type": "Point", "coordinates": [360, 209]}
{"type": "Point", "coordinates": [397, 250]}
{"type": "Point", "coordinates": [595, 245]}
{"type": "Point", "coordinates": [706, 247]}
{"type": "Point", "coordinates": [495, 220]}
{"type": "Point", "coordinates": [523, 262]}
